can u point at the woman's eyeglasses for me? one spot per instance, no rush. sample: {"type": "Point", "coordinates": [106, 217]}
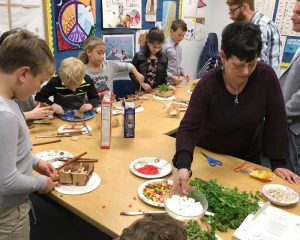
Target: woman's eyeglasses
{"type": "Point", "coordinates": [231, 12]}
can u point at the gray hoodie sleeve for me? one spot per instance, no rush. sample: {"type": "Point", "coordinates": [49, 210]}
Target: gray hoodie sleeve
{"type": "Point", "coordinates": [16, 159]}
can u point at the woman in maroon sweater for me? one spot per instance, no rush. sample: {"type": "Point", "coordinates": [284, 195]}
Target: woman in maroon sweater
{"type": "Point", "coordinates": [236, 109]}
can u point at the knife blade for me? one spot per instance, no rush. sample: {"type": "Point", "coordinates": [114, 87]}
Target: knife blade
{"type": "Point", "coordinates": [131, 213]}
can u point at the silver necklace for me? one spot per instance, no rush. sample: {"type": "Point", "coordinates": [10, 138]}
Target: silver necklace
{"type": "Point", "coordinates": [237, 91]}
{"type": "Point", "coordinates": [236, 99]}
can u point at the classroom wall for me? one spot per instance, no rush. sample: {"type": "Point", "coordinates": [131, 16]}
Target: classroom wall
{"type": "Point", "coordinates": [192, 49]}
{"type": "Point", "coordinates": [216, 19]}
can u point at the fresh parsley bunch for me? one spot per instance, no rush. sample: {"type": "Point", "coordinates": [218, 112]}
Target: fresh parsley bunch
{"type": "Point", "coordinates": [230, 206]}
{"type": "Point", "coordinates": [163, 88]}
{"type": "Point", "coordinates": [195, 232]}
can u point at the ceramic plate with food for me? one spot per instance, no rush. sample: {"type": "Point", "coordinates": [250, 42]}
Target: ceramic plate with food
{"type": "Point", "coordinates": [70, 115]}
{"type": "Point", "coordinates": [91, 185]}
{"type": "Point", "coordinates": [150, 167]}
{"type": "Point", "coordinates": [280, 194]}
{"type": "Point", "coordinates": [153, 191]}
{"type": "Point", "coordinates": [53, 156]}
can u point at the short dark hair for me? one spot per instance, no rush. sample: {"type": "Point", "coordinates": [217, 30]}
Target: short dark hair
{"type": "Point", "coordinates": [179, 24]}
{"type": "Point", "coordinates": [155, 227]}
{"type": "Point", "coordinates": [243, 40]}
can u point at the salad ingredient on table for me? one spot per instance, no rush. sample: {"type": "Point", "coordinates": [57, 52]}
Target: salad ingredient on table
{"type": "Point", "coordinates": [230, 206]}
{"type": "Point", "coordinates": [156, 190]}
{"type": "Point", "coordinates": [163, 88]}
{"type": "Point", "coordinates": [195, 232]}
{"type": "Point", "coordinates": [183, 205]}
{"type": "Point", "coordinates": [280, 194]}
{"type": "Point", "coordinates": [148, 170]}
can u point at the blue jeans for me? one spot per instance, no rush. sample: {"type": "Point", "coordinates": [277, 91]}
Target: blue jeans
{"type": "Point", "coordinates": [294, 147]}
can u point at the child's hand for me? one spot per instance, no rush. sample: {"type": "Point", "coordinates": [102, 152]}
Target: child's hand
{"type": "Point", "coordinates": [85, 107]}
{"type": "Point", "coordinates": [50, 186]}
{"type": "Point", "coordinates": [140, 77]}
{"type": "Point", "coordinates": [45, 168]}
{"type": "Point", "coordinates": [146, 87]}
{"type": "Point", "coordinates": [172, 88]}
{"type": "Point", "coordinates": [39, 112]}
{"type": "Point", "coordinates": [186, 76]}
{"type": "Point", "coordinates": [57, 109]}
{"type": "Point", "coordinates": [175, 80]}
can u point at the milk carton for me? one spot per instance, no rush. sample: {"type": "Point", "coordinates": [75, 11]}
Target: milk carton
{"type": "Point", "coordinates": [106, 119]}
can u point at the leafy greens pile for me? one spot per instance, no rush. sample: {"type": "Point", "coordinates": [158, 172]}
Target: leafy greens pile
{"type": "Point", "coordinates": [195, 232]}
{"type": "Point", "coordinates": [230, 207]}
{"type": "Point", "coordinates": [163, 88]}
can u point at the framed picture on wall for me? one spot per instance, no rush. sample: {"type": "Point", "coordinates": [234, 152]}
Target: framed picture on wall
{"type": "Point", "coordinates": [119, 47]}
{"type": "Point", "coordinates": [122, 14]}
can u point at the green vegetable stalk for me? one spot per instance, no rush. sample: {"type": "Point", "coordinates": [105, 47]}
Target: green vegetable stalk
{"type": "Point", "coordinates": [195, 232]}
{"type": "Point", "coordinates": [163, 88]}
{"type": "Point", "coordinates": [230, 206]}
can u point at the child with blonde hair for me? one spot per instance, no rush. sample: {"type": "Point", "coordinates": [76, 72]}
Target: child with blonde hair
{"type": "Point", "coordinates": [101, 71]}
{"type": "Point", "coordinates": [25, 62]}
{"type": "Point", "coordinates": [70, 88]}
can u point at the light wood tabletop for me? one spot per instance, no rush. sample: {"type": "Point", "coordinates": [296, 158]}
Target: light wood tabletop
{"type": "Point", "coordinates": [118, 189]}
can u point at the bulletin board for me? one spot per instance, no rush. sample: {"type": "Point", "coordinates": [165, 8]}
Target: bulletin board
{"type": "Point", "coordinates": [56, 7]}
{"type": "Point", "coordinates": [281, 11]}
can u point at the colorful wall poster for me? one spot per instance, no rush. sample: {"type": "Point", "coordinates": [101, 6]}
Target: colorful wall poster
{"type": "Point", "coordinates": [194, 14]}
{"type": "Point", "coordinates": [291, 46]}
{"type": "Point", "coordinates": [168, 16]}
{"type": "Point", "coordinates": [151, 8]}
{"type": "Point", "coordinates": [122, 13]}
{"type": "Point", "coordinates": [140, 39]}
{"type": "Point", "coordinates": [119, 47]}
{"type": "Point", "coordinates": [75, 22]}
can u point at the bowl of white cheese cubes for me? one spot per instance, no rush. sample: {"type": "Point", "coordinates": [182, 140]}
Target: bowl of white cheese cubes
{"type": "Point", "coordinates": [186, 207]}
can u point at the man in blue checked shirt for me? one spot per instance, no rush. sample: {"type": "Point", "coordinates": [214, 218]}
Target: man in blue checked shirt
{"type": "Point", "coordinates": [176, 74]}
{"type": "Point", "coordinates": [243, 10]}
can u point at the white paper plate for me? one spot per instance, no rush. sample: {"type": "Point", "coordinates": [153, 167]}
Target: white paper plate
{"type": "Point", "coordinates": [164, 99]}
{"type": "Point", "coordinates": [147, 200]}
{"type": "Point", "coordinates": [50, 155]}
{"type": "Point", "coordinates": [189, 91]}
{"type": "Point", "coordinates": [280, 194]}
{"type": "Point", "coordinates": [91, 185]}
{"type": "Point", "coordinates": [164, 166]}
{"type": "Point", "coordinates": [84, 131]}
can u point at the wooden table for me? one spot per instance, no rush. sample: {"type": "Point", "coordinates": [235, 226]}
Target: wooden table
{"type": "Point", "coordinates": [118, 189]}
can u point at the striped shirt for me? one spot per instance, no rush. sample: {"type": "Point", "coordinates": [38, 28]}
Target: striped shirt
{"type": "Point", "coordinates": [270, 35]}
{"type": "Point", "coordinates": [67, 98]}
